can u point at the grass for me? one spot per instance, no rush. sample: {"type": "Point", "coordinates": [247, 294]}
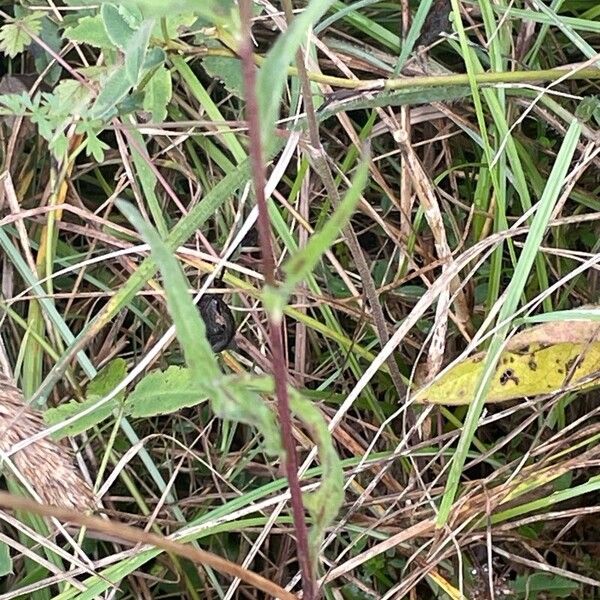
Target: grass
{"type": "Point", "coordinates": [472, 165]}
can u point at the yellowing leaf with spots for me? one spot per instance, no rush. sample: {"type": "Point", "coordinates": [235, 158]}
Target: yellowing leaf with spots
{"type": "Point", "coordinates": [546, 359]}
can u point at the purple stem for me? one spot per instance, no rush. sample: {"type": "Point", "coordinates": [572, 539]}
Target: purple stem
{"type": "Point", "coordinates": [245, 52]}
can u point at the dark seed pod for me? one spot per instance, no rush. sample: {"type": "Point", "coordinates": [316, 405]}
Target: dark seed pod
{"type": "Point", "coordinates": [219, 321]}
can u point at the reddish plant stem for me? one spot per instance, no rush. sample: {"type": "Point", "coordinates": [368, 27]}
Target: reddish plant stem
{"type": "Point", "coordinates": [245, 52]}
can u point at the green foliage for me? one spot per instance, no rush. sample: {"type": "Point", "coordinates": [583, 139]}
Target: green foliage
{"type": "Point", "coordinates": [324, 503]}
{"type": "Point", "coordinates": [89, 30]}
{"type": "Point", "coordinates": [229, 399]}
{"type": "Point", "coordinates": [228, 71]}
{"type": "Point", "coordinates": [236, 397]}
{"type": "Point", "coordinates": [304, 261]}
{"type": "Point", "coordinates": [273, 73]}
{"type": "Point", "coordinates": [157, 94]}
{"type": "Point", "coordinates": [16, 36]}
{"type": "Point", "coordinates": [551, 586]}
{"type": "Point", "coordinates": [164, 392]}
{"type": "Point", "coordinates": [102, 385]}
{"type": "Point", "coordinates": [117, 29]}
{"type": "Point", "coordinates": [6, 563]}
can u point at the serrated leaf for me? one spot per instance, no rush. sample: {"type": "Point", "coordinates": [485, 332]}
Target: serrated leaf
{"type": "Point", "coordinates": [226, 70]}
{"type": "Point", "coordinates": [116, 27]}
{"type": "Point", "coordinates": [541, 360]}
{"type": "Point", "coordinates": [15, 36]}
{"type": "Point", "coordinates": [94, 146]}
{"type": "Point", "coordinates": [164, 392]}
{"type": "Point", "coordinates": [114, 89]}
{"type": "Point", "coordinates": [157, 94]}
{"type": "Point", "coordinates": [89, 30]}
{"type": "Point", "coordinates": [104, 382]}
{"type": "Point", "coordinates": [135, 51]}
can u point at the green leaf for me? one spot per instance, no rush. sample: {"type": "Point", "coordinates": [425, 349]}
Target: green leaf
{"type": "Point", "coordinates": [89, 30]}
{"type": "Point", "coordinates": [240, 401]}
{"type": "Point", "coordinates": [227, 70]}
{"type": "Point", "coordinates": [164, 392]}
{"type": "Point", "coordinates": [157, 94]}
{"type": "Point", "coordinates": [175, 24]}
{"type": "Point", "coordinates": [114, 89]}
{"type": "Point", "coordinates": [273, 73]}
{"type": "Point", "coordinates": [154, 57]}
{"type": "Point", "coordinates": [229, 398]}
{"type": "Point", "coordinates": [73, 94]}
{"type": "Point", "coordinates": [215, 10]}
{"type": "Point", "coordinates": [301, 264]}
{"type": "Point", "coordinates": [93, 145]}
{"type": "Point", "coordinates": [324, 503]}
{"type": "Point", "coordinates": [190, 327]}
{"type": "Point", "coordinates": [548, 584]}
{"type": "Point", "coordinates": [6, 563]}
{"type": "Point", "coordinates": [218, 12]}
{"type": "Point", "coordinates": [514, 290]}
{"type": "Point", "coordinates": [587, 108]}
{"type": "Point", "coordinates": [104, 383]}
{"type": "Point", "coordinates": [49, 34]}
{"type": "Point", "coordinates": [116, 27]}
{"type": "Point", "coordinates": [135, 51]}
{"type": "Point", "coordinates": [15, 36]}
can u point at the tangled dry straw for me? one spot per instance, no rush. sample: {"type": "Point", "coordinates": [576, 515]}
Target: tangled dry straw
{"type": "Point", "coordinates": [45, 464]}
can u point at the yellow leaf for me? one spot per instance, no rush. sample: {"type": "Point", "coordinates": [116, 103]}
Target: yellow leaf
{"type": "Point", "coordinates": [542, 360]}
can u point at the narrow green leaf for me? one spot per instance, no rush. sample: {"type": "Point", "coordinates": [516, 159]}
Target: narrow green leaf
{"type": "Point", "coordinates": [513, 295]}
{"type": "Point", "coordinates": [273, 73]}
{"type": "Point", "coordinates": [536, 585]}
{"type": "Point", "coordinates": [240, 401]}
{"type": "Point", "coordinates": [324, 503]}
{"type": "Point", "coordinates": [6, 563]}
{"type": "Point", "coordinates": [304, 261]}
{"type": "Point", "coordinates": [190, 327]}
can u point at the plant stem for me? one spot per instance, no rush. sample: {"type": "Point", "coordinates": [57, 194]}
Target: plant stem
{"type": "Point", "coordinates": [275, 327]}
